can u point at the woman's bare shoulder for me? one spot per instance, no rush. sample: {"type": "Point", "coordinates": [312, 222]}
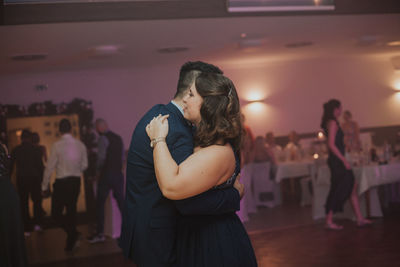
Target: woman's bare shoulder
{"type": "Point", "coordinates": [331, 123]}
{"type": "Point", "coordinates": [215, 151]}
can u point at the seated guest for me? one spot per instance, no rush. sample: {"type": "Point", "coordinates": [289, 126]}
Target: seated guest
{"type": "Point", "coordinates": [264, 167]}
{"type": "Point", "coordinates": [273, 147]}
{"type": "Point", "coordinates": [351, 133]}
{"type": "Point", "coordinates": [263, 152]}
{"type": "Point", "coordinates": [247, 204]}
{"type": "Point", "coordinates": [293, 148]}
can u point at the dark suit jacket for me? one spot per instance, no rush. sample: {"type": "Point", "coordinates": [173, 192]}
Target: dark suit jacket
{"type": "Point", "coordinates": [28, 161]}
{"type": "Point", "coordinates": [149, 219]}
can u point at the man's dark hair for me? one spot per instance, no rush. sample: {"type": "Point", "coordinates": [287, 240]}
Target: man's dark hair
{"type": "Point", "coordinates": [65, 126]}
{"type": "Point", "coordinates": [35, 138]}
{"type": "Point", "coordinates": [188, 73]}
{"type": "Point", "coordinates": [26, 135]}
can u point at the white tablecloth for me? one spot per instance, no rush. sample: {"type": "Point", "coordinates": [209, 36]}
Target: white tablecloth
{"type": "Point", "coordinates": [378, 174]}
{"type": "Point", "coordinates": [290, 169]}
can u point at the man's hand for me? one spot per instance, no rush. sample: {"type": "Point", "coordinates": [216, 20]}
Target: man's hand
{"type": "Point", "coordinates": [46, 193]}
{"type": "Point", "coordinates": [239, 186]}
{"type": "Point", "coordinates": [95, 178]}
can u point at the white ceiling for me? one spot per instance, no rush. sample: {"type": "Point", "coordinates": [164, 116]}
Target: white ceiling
{"type": "Point", "coordinates": [68, 46]}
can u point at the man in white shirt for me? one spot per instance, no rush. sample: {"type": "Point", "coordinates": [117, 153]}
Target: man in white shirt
{"type": "Point", "coordinates": [68, 157]}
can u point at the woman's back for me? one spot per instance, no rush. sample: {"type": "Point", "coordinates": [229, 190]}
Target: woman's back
{"type": "Point", "coordinates": [339, 141]}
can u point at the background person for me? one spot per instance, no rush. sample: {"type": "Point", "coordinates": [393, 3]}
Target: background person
{"type": "Point", "coordinates": [12, 243]}
{"type": "Point", "coordinates": [27, 159]}
{"type": "Point", "coordinates": [68, 157]}
{"type": "Point", "coordinates": [342, 177]}
{"type": "Point", "coordinates": [351, 133]}
{"type": "Point", "coordinates": [109, 172]}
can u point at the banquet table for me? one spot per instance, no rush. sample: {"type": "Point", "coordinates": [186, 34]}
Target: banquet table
{"type": "Point", "coordinates": [303, 169]}
{"type": "Point", "coordinates": [374, 175]}
{"type": "Point", "coordinates": [290, 169]}
{"type": "Point", "coordinates": [368, 177]}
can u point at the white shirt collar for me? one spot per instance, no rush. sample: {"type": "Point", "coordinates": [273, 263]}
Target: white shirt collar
{"type": "Point", "coordinates": [67, 135]}
{"type": "Point", "coordinates": [176, 105]}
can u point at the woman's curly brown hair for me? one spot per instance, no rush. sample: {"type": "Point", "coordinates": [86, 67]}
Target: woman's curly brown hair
{"type": "Point", "coordinates": [220, 111]}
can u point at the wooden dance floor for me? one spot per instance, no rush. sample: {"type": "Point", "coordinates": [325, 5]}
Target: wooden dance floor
{"type": "Point", "coordinates": [294, 243]}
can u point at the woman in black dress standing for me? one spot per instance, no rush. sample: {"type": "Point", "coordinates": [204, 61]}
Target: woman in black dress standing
{"type": "Point", "coordinates": [342, 177]}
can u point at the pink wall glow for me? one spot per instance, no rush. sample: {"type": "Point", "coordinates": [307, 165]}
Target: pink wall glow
{"type": "Point", "coordinates": [295, 91]}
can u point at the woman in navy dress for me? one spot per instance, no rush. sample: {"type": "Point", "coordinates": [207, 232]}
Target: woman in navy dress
{"type": "Point", "coordinates": [342, 178]}
{"type": "Point", "coordinates": [212, 105]}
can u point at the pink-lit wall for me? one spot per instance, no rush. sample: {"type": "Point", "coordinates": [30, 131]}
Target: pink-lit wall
{"type": "Point", "coordinates": [294, 90]}
{"type": "Point", "coordinates": [119, 96]}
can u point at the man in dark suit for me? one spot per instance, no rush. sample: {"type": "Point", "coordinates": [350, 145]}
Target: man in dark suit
{"type": "Point", "coordinates": [149, 219]}
{"type": "Point", "coordinates": [29, 167]}
{"type": "Point", "coordinates": [109, 170]}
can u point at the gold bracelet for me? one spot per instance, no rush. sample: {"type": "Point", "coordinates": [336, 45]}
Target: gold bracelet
{"type": "Point", "coordinates": [156, 140]}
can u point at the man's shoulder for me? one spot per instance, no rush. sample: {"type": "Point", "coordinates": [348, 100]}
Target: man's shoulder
{"type": "Point", "coordinates": [37, 149]}
{"type": "Point", "coordinates": [162, 109]}
{"type": "Point", "coordinates": [74, 139]}
{"type": "Point", "coordinates": [16, 149]}
{"type": "Point", "coordinates": [78, 141]}
{"type": "Point", "coordinates": [139, 129]}
{"type": "Point", "coordinates": [158, 109]}
{"type": "Point", "coordinates": [56, 144]}
{"type": "Point", "coordinates": [116, 135]}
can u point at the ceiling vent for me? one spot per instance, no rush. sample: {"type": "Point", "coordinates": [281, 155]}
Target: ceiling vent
{"type": "Point", "coordinates": [29, 57]}
{"type": "Point", "coordinates": [368, 40]}
{"type": "Point", "coordinates": [279, 5]}
{"type": "Point", "coordinates": [299, 44]}
{"type": "Point", "coordinates": [252, 42]}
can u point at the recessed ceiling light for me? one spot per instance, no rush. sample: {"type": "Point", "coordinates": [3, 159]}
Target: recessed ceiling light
{"type": "Point", "coordinates": [107, 48]}
{"type": "Point", "coordinates": [393, 43]}
{"type": "Point", "coordinates": [104, 50]}
{"type": "Point", "coordinates": [170, 50]}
